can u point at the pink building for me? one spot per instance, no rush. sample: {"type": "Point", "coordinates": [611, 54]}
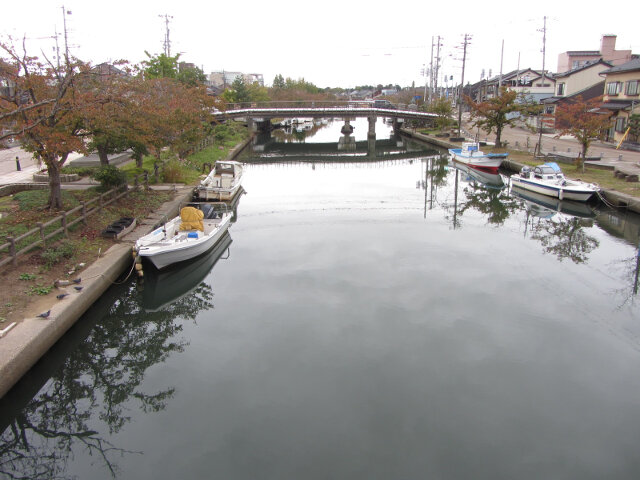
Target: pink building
{"type": "Point", "coordinates": [577, 58]}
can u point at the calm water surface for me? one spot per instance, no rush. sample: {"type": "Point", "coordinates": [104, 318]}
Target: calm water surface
{"type": "Point", "coordinates": [373, 320]}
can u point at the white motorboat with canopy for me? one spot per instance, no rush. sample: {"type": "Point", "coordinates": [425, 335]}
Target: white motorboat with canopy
{"type": "Point", "coordinates": [548, 179]}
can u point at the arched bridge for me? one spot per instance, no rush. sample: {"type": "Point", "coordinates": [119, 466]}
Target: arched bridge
{"type": "Point", "coordinates": [259, 115]}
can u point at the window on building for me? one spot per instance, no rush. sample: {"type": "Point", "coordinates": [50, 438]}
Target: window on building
{"type": "Point", "coordinates": [560, 89]}
{"type": "Point", "coordinates": [614, 88]}
{"type": "Point", "coordinates": [550, 109]}
{"type": "Point", "coordinates": [620, 124]}
{"type": "Point", "coordinates": [632, 87]}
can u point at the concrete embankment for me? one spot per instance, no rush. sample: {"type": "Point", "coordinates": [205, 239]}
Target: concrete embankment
{"type": "Point", "coordinates": [25, 344]}
{"type": "Point", "coordinates": [30, 339]}
{"type": "Point", "coordinates": [612, 197]}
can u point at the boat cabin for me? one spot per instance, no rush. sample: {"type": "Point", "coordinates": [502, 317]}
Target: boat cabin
{"type": "Point", "coordinates": [548, 171]}
{"type": "Point", "coordinates": [223, 174]}
{"type": "Point", "coordinates": [469, 148]}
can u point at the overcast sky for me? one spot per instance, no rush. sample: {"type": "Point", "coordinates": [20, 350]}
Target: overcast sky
{"type": "Point", "coordinates": [328, 42]}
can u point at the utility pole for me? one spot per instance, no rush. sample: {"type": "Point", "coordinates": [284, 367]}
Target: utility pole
{"type": "Point", "coordinates": [431, 74]}
{"type": "Point", "coordinates": [167, 41]}
{"type": "Point", "coordinates": [467, 39]}
{"type": "Point", "coordinates": [501, 57]}
{"type": "Point", "coordinates": [66, 41]}
{"type": "Point", "coordinates": [438, 45]}
{"type": "Point", "coordinates": [544, 46]}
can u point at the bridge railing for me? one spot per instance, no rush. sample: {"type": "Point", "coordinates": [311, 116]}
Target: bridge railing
{"type": "Point", "coordinates": [300, 104]}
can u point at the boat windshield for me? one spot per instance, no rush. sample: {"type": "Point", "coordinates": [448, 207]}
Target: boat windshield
{"type": "Point", "coordinates": [544, 170]}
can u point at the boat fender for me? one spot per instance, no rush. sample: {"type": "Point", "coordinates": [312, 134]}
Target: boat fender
{"type": "Point", "coordinates": [561, 194]}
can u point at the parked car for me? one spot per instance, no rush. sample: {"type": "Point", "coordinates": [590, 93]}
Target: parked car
{"type": "Point", "coordinates": [383, 104]}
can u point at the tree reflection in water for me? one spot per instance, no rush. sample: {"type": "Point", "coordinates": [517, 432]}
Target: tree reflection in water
{"type": "Point", "coordinates": [91, 394]}
{"type": "Point", "coordinates": [564, 236]}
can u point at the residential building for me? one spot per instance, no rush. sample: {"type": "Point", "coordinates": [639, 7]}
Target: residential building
{"type": "Point", "coordinates": [529, 82]}
{"type": "Point", "coordinates": [107, 69]}
{"type": "Point", "coordinates": [584, 81]}
{"type": "Point", "coordinates": [580, 78]}
{"type": "Point", "coordinates": [621, 97]}
{"type": "Point", "coordinates": [224, 79]}
{"type": "Point", "coordinates": [573, 59]}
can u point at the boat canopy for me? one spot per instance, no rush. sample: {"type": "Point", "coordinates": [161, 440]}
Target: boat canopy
{"type": "Point", "coordinates": [547, 169]}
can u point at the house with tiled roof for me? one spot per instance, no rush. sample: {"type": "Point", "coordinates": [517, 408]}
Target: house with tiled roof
{"type": "Point", "coordinates": [584, 81]}
{"type": "Point", "coordinates": [526, 81]}
{"type": "Point", "coordinates": [621, 96]}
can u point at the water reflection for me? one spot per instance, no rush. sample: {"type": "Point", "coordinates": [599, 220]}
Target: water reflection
{"type": "Point", "coordinates": [93, 377]}
{"type": "Point", "coordinates": [89, 396]}
{"type": "Point", "coordinates": [351, 299]}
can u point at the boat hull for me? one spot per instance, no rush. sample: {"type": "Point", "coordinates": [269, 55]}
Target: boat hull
{"type": "Point", "coordinates": [487, 163]}
{"type": "Point", "coordinates": [490, 179]}
{"type": "Point", "coordinates": [163, 255]}
{"type": "Point", "coordinates": [576, 193]}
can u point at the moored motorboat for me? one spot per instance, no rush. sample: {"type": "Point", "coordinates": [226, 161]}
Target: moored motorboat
{"type": "Point", "coordinates": [222, 183]}
{"type": "Point", "coordinates": [548, 179]}
{"type": "Point", "coordinates": [491, 180]}
{"type": "Point", "coordinates": [471, 154]}
{"type": "Point", "coordinates": [183, 237]}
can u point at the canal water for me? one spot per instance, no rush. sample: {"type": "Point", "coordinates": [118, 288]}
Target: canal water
{"type": "Point", "coordinates": [386, 318]}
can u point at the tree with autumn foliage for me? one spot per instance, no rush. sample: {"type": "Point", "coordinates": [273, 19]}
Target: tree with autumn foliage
{"type": "Point", "coordinates": [171, 114]}
{"type": "Point", "coordinates": [583, 120]}
{"type": "Point", "coordinates": [500, 111]}
{"type": "Point", "coordinates": [40, 109]}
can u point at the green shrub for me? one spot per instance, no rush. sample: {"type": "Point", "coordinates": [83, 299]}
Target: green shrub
{"type": "Point", "coordinates": [56, 254]}
{"type": "Point", "coordinates": [80, 171]}
{"type": "Point", "coordinates": [110, 177]}
{"type": "Point", "coordinates": [172, 172]}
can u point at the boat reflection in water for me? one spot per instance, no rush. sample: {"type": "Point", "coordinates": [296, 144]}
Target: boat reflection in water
{"type": "Point", "coordinates": [488, 179]}
{"type": "Point", "coordinates": [544, 206]}
{"type": "Point", "coordinates": [162, 288]}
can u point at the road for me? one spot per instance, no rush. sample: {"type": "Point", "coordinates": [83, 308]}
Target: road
{"type": "Point", "coordinates": [517, 137]}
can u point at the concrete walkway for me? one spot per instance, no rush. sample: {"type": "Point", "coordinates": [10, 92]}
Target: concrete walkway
{"type": "Point", "coordinates": [28, 166]}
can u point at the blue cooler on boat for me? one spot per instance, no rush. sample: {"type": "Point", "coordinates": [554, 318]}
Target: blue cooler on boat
{"type": "Point", "coordinates": [192, 235]}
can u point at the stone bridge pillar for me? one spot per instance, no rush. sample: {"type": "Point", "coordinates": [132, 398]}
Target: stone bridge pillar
{"type": "Point", "coordinates": [371, 136]}
{"type": "Point", "coordinates": [397, 124]}
{"type": "Point", "coordinates": [259, 125]}
{"type": "Point", "coordinates": [372, 126]}
{"type": "Point", "coordinates": [347, 128]}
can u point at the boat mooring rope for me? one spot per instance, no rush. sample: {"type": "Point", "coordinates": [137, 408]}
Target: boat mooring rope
{"type": "Point", "coordinates": [133, 266]}
{"type": "Point", "coordinates": [604, 200]}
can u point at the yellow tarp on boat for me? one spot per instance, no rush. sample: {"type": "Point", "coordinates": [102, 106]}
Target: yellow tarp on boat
{"type": "Point", "coordinates": [191, 219]}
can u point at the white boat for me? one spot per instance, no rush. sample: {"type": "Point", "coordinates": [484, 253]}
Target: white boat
{"type": "Point", "coordinates": [471, 154]}
{"type": "Point", "coordinates": [181, 238]}
{"type": "Point", "coordinates": [548, 179]}
{"type": "Point", "coordinates": [491, 180]}
{"type": "Point", "coordinates": [223, 181]}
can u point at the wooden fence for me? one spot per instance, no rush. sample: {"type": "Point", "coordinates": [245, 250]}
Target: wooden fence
{"type": "Point", "coordinates": [42, 232]}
